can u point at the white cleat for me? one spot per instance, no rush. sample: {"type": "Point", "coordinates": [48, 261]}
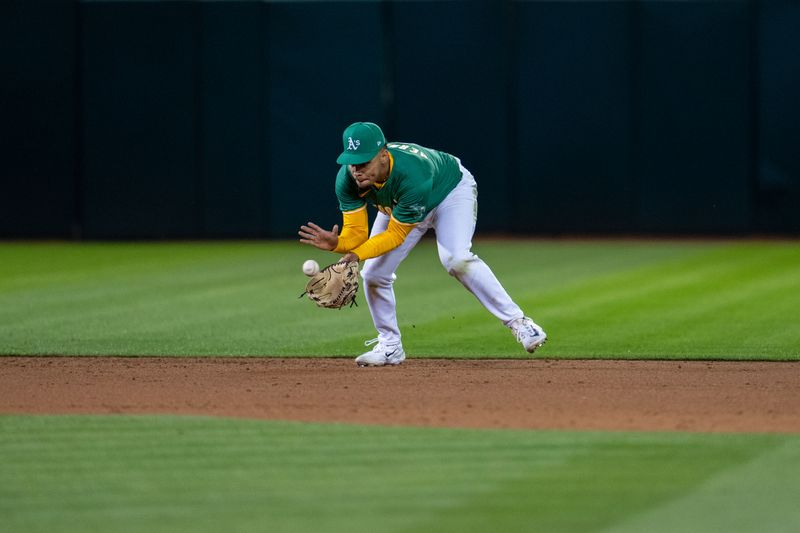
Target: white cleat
{"type": "Point", "coordinates": [528, 333]}
{"type": "Point", "coordinates": [381, 354]}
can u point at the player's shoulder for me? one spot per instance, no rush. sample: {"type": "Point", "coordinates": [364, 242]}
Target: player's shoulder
{"type": "Point", "coordinates": [410, 157]}
{"type": "Point", "coordinates": [415, 152]}
{"type": "Point", "coordinates": [408, 149]}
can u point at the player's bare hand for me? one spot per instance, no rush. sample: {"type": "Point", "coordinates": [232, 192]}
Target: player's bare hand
{"type": "Point", "coordinates": [321, 238]}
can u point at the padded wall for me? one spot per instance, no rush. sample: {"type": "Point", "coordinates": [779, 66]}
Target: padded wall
{"type": "Point", "coordinates": [151, 119]}
{"type": "Point", "coordinates": [694, 117]}
{"type": "Point", "coordinates": [574, 116]}
{"type": "Point", "coordinates": [38, 99]}
{"type": "Point", "coordinates": [141, 135]}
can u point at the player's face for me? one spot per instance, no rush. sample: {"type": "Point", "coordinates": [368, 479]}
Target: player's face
{"type": "Point", "coordinates": [373, 171]}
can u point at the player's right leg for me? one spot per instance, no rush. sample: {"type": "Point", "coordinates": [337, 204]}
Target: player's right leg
{"type": "Point", "coordinates": [379, 276]}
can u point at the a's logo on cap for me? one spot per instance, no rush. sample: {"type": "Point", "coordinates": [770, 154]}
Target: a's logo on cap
{"type": "Point", "coordinates": [353, 144]}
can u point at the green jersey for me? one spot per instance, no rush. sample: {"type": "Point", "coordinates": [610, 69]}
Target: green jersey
{"type": "Point", "coordinates": [419, 180]}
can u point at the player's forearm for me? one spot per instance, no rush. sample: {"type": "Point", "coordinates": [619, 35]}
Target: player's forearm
{"type": "Point", "coordinates": [355, 230]}
{"type": "Point", "coordinates": [384, 242]}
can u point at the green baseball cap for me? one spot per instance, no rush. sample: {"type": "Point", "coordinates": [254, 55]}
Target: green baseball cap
{"type": "Point", "coordinates": [362, 141]}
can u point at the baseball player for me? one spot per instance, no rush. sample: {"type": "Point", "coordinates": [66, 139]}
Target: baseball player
{"type": "Point", "coordinates": [413, 188]}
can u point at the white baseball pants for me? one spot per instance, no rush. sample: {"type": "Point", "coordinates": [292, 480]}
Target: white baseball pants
{"type": "Point", "coordinates": [453, 220]}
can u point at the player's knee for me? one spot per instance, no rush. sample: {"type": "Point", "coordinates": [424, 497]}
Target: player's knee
{"type": "Point", "coordinates": [457, 265]}
{"type": "Point", "coordinates": [374, 278]}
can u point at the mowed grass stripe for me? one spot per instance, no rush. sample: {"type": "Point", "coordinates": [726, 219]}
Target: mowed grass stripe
{"type": "Point", "coordinates": [596, 299]}
{"type": "Point", "coordinates": [725, 502]}
{"type": "Point", "coordinates": [206, 298]}
{"type": "Point", "coordinates": [179, 474]}
{"type": "Point", "coordinates": [730, 303]}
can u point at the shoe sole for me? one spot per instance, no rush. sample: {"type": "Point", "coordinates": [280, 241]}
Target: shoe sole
{"type": "Point", "coordinates": [361, 365]}
{"type": "Point", "coordinates": [537, 346]}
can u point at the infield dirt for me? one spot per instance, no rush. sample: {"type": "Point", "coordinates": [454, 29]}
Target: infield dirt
{"type": "Point", "coordinates": [526, 394]}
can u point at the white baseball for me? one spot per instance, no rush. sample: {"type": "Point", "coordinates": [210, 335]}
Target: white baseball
{"type": "Point", "coordinates": [310, 267]}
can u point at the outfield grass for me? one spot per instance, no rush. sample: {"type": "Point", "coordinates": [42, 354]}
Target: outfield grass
{"type": "Point", "coordinates": [196, 474]}
{"type": "Point", "coordinates": [618, 299]}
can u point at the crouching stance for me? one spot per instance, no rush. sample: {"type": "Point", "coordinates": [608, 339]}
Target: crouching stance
{"type": "Point", "coordinates": [414, 189]}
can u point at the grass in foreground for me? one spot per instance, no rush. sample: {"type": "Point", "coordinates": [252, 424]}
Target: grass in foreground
{"type": "Point", "coordinates": [196, 474]}
{"type": "Point", "coordinates": [595, 299]}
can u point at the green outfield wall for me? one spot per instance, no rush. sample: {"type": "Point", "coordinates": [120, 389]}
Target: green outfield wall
{"type": "Point", "coordinates": [133, 119]}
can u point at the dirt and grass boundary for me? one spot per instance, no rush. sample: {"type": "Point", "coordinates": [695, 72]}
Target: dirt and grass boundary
{"type": "Point", "coordinates": [700, 396]}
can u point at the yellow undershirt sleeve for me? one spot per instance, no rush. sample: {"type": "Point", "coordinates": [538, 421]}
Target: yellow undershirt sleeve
{"type": "Point", "coordinates": [355, 230]}
{"type": "Point", "coordinates": [381, 243]}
